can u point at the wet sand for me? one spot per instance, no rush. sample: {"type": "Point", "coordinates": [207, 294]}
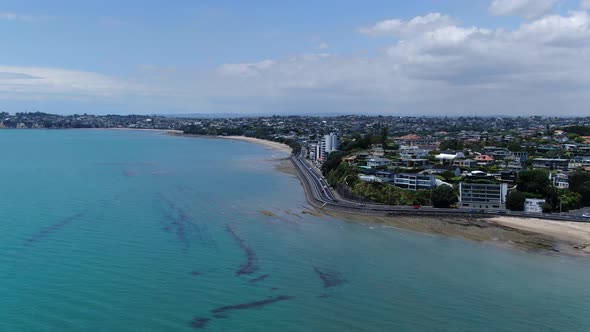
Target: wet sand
{"type": "Point", "coordinates": [574, 233]}
{"type": "Point", "coordinates": [476, 229]}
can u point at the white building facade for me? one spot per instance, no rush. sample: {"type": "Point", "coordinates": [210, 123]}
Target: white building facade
{"type": "Point", "coordinates": [483, 196]}
{"type": "Point", "coordinates": [533, 205]}
{"type": "Point", "coordinates": [330, 143]}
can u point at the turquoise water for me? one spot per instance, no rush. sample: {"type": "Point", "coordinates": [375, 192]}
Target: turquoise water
{"type": "Point", "coordinates": [139, 231]}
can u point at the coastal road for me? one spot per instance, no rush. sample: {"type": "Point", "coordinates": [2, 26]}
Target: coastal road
{"type": "Point", "coordinates": [320, 195]}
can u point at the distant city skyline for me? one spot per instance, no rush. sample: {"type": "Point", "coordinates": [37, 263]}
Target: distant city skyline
{"type": "Point", "coordinates": [424, 57]}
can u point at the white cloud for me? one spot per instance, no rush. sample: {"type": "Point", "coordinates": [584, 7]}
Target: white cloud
{"type": "Point", "coordinates": [246, 69]}
{"type": "Point", "coordinates": [8, 16]}
{"type": "Point", "coordinates": [433, 65]}
{"type": "Point", "coordinates": [403, 29]}
{"type": "Point", "coordinates": [63, 83]}
{"type": "Point", "coordinates": [585, 4]}
{"type": "Point", "coordinates": [441, 68]}
{"type": "Point", "coordinates": [526, 8]}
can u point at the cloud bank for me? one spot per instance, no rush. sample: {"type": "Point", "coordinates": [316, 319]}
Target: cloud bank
{"type": "Point", "coordinates": [434, 65]}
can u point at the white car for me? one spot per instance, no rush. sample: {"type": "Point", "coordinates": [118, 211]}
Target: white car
{"type": "Point", "coordinates": [586, 215]}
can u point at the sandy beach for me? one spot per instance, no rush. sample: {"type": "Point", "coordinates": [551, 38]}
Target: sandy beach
{"type": "Point", "coordinates": [270, 144]}
{"type": "Point", "coordinates": [574, 233]}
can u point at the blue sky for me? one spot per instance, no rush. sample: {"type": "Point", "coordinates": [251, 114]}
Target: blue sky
{"type": "Point", "coordinates": [294, 56]}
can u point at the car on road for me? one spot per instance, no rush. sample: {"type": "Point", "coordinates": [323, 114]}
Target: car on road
{"type": "Point", "coordinates": [416, 206]}
{"type": "Point", "coordinates": [586, 215]}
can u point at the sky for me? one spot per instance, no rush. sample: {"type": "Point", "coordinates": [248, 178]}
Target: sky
{"type": "Point", "coordinates": [395, 57]}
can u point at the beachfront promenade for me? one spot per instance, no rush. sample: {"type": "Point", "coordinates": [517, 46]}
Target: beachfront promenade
{"type": "Point", "coordinates": [321, 196]}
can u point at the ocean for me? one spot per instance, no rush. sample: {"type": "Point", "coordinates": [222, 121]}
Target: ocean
{"type": "Point", "coordinates": [109, 230]}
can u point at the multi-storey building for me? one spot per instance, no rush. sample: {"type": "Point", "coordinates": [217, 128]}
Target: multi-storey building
{"type": "Point", "coordinates": [414, 181]}
{"type": "Point", "coordinates": [483, 196]}
{"type": "Point", "coordinates": [330, 143]}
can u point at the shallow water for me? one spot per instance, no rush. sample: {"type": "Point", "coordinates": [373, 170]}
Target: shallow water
{"type": "Point", "coordinates": [138, 231]}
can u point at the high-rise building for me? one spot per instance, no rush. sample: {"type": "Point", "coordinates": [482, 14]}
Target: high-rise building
{"type": "Point", "coordinates": [315, 151]}
{"type": "Point", "coordinates": [330, 143]}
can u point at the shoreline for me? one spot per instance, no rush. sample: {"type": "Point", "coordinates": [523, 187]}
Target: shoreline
{"type": "Point", "coordinates": [529, 234]}
{"type": "Point", "coordinates": [270, 144]}
{"type": "Point", "coordinates": [266, 143]}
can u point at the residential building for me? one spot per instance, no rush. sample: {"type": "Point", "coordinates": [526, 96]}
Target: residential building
{"type": "Point", "coordinates": [414, 139]}
{"type": "Point", "coordinates": [551, 163]}
{"type": "Point", "coordinates": [521, 155]}
{"type": "Point", "coordinates": [378, 162]}
{"type": "Point", "coordinates": [560, 180]}
{"type": "Point", "coordinates": [449, 157]}
{"type": "Point", "coordinates": [465, 163]}
{"type": "Point", "coordinates": [483, 196]}
{"type": "Point", "coordinates": [414, 181]}
{"type": "Point", "coordinates": [508, 177]}
{"type": "Point", "coordinates": [330, 143]}
{"type": "Point", "coordinates": [412, 152]}
{"type": "Point", "coordinates": [414, 163]}
{"type": "Point", "coordinates": [315, 151]}
{"type": "Point", "coordinates": [533, 205]}
{"type": "Point", "coordinates": [484, 160]}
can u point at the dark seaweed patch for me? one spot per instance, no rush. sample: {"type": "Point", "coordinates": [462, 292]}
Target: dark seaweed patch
{"type": "Point", "coordinates": [329, 278]}
{"type": "Point", "coordinates": [250, 305]}
{"type": "Point", "coordinates": [178, 221]}
{"type": "Point", "coordinates": [261, 278]}
{"type": "Point", "coordinates": [53, 228]}
{"type": "Point", "coordinates": [251, 264]}
{"type": "Point", "coordinates": [274, 288]}
{"type": "Point", "coordinates": [200, 322]}
{"type": "Point", "coordinates": [196, 273]}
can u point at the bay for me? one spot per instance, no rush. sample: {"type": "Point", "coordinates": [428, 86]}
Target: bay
{"type": "Point", "coordinates": [106, 230]}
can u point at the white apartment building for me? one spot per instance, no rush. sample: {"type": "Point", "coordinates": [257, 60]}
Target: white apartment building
{"type": "Point", "coordinates": [330, 143]}
{"type": "Point", "coordinates": [483, 196]}
{"type": "Point", "coordinates": [533, 205]}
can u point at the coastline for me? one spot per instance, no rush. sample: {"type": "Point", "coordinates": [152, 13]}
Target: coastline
{"type": "Point", "coordinates": [575, 233]}
{"type": "Point", "coordinates": [529, 234]}
{"type": "Point", "coordinates": [269, 144]}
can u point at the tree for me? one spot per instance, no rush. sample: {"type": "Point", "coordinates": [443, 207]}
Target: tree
{"type": "Point", "coordinates": [515, 200]}
{"type": "Point", "coordinates": [580, 183]}
{"type": "Point", "coordinates": [452, 144]}
{"type": "Point", "coordinates": [447, 175]}
{"type": "Point", "coordinates": [384, 134]}
{"type": "Point", "coordinates": [535, 182]}
{"type": "Point", "coordinates": [443, 196]}
{"type": "Point", "coordinates": [569, 200]}
{"type": "Point", "coordinates": [333, 160]}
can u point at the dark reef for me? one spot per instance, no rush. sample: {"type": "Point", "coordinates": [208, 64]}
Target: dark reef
{"type": "Point", "coordinates": [53, 228]}
{"type": "Point", "coordinates": [250, 305]}
{"type": "Point", "coordinates": [329, 278]}
{"type": "Point", "coordinates": [261, 278]}
{"type": "Point", "coordinates": [251, 264]}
